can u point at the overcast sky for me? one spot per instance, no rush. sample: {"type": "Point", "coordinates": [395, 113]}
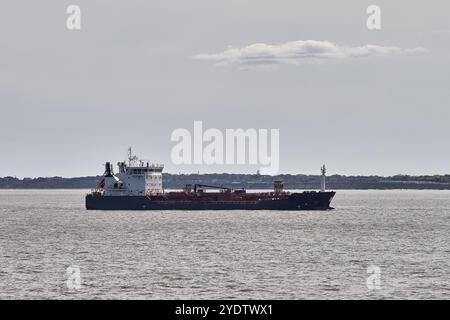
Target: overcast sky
{"type": "Point", "coordinates": [363, 102]}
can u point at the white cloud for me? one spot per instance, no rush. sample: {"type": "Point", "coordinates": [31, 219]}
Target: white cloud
{"type": "Point", "coordinates": [295, 52]}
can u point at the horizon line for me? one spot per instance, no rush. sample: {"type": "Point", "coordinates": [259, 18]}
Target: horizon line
{"type": "Point", "coordinates": [247, 174]}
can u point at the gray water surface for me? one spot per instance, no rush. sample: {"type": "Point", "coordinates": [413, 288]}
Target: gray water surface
{"type": "Point", "coordinates": [233, 255]}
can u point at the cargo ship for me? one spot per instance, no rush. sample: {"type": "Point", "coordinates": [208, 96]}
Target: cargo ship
{"type": "Point", "coordinates": [138, 186]}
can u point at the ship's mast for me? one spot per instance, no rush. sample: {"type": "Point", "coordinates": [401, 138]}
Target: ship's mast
{"type": "Point", "coordinates": [131, 159]}
{"type": "Point", "coordinates": [323, 171]}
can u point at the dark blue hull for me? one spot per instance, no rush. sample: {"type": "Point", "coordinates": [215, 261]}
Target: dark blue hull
{"type": "Point", "coordinates": [295, 201]}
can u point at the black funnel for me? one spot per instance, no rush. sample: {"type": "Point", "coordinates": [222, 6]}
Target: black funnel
{"type": "Point", "coordinates": [108, 170]}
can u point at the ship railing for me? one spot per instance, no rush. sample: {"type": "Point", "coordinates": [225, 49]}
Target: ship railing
{"type": "Point", "coordinates": [96, 192]}
{"type": "Point", "coordinates": [142, 165]}
{"type": "Point", "coordinates": [209, 202]}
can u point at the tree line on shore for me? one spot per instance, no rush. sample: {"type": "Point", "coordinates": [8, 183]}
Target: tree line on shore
{"type": "Point", "coordinates": [248, 181]}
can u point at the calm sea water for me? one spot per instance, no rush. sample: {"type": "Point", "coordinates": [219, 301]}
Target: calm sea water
{"type": "Point", "coordinates": [405, 235]}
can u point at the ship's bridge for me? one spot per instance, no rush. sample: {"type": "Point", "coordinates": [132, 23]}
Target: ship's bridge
{"type": "Point", "coordinates": [143, 169]}
{"type": "Point", "coordinates": [140, 177]}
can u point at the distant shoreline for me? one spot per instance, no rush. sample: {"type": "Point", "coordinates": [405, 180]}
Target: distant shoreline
{"type": "Point", "coordinates": [249, 190]}
{"type": "Point", "coordinates": [249, 181]}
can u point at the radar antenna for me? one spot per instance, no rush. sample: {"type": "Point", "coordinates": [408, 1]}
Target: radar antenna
{"type": "Point", "coordinates": [323, 170]}
{"type": "Point", "coordinates": [131, 158]}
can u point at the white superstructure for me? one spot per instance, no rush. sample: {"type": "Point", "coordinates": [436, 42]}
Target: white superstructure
{"type": "Point", "coordinates": [135, 178]}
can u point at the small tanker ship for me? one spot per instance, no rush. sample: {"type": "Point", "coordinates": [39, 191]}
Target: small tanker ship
{"type": "Point", "coordinates": [138, 186]}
